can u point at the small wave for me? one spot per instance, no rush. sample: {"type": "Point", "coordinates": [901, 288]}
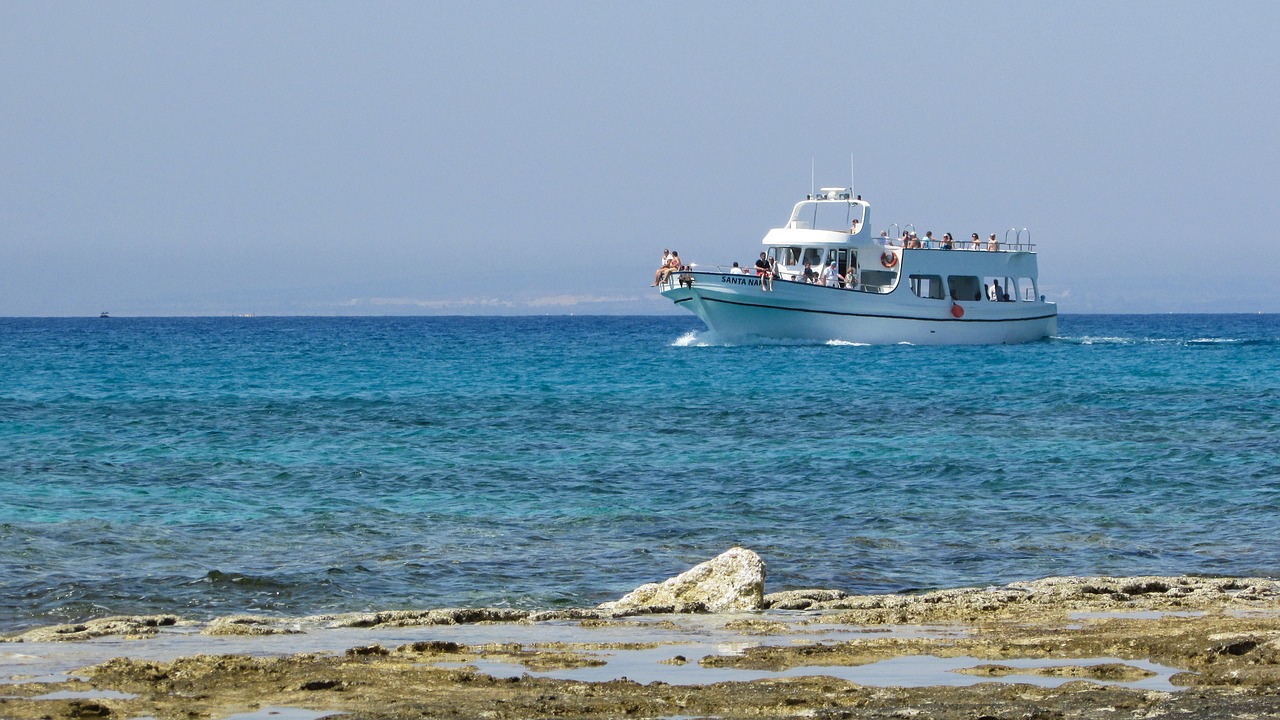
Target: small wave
{"type": "Point", "coordinates": [693, 338]}
{"type": "Point", "coordinates": [1120, 340]}
{"type": "Point", "coordinates": [1216, 341]}
{"type": "Point", "coordinates": [234, 579]}
{"type": "Point", "coordinates": [1098, 340]}
{"type": "Point", "coordinates": [709, 338]}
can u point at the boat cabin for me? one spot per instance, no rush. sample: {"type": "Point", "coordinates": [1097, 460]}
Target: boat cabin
{"type": "Point", "coordinates": [832, 228]}
{"type": "Point", "coordinates": [824, 229]}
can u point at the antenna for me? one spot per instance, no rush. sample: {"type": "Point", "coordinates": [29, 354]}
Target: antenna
{"type": "Point", "coordinates": [851, 188]}
{"type": "Point", "coordinates": [813, 175]}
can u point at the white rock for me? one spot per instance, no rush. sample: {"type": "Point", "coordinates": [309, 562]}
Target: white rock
{"type": "Point", "coordinates": [730, 582]}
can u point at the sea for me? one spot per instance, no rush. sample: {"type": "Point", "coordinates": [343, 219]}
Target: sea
{"type": "Point", "coordinates": [303, 465]}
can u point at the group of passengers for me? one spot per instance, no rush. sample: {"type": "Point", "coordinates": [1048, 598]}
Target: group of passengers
{"type": "Point", "coordinates": [911, 240]}
{"type": "Point", "coordinates": [670, 263]}
{"type": "Point", "coordinates": [766, 269]}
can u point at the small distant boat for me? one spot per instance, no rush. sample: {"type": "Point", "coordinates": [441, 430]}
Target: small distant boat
{"type": "Point", "coordinates": [832, 279]}
{"type": "Point", "coordinates": [103, 314]}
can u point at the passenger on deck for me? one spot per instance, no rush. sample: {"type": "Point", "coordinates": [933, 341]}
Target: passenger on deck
{"type": "Point", "coordinates": [735, 270]}
{"type": "Point", "coordinates": [830, 276]}
{"type": "Point", "coordinates": [657, 276]}
{"type": "Point", "coordinates": [764, 272]}
{"type": "Point", "coordinates": [851, 278]}
{"type": "Point", "coordinates": [809, 275]}
{"type": "Point", "coordinates": [673, 264]}
{"type": "Point", "coordinates": [853, 227]}
{"type": "Point", "coordinates": [928, 239]}
{"type": "Point", "coordinates": [992, 245]}
{"type": "Point", "coordinates": [977, 244]}
{"type": "Point", "coordinates": [946, 241]}
{"type": "Point", "coordinates": [993, 292]}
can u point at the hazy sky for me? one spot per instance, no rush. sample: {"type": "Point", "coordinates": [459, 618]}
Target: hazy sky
{"type": "Point", "coordinates": [178, 158]}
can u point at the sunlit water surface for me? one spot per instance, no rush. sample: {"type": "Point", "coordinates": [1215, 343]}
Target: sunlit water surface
{"type": "Point", "coordinates": [302, 465]}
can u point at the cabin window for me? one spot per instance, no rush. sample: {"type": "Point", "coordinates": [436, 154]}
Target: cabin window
{"type": "Point", "coordinates": [927, 286]}
{"type": "Point", "coordinates": [787, 258]}
{"type": "Point", "coordinates": [877, 280]}
{"type": "Point", "coordinates": [965, 287]}
{"type": "Point", "coordinates": [1026, 287]}
{"type": "Point", "coordinates": [999, 289]}
{"type": "Point", "coordinates": [834, 216]}
{"type": "Point", "coordinates": [813, 256]}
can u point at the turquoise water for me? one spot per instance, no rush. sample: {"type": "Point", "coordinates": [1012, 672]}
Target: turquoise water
{"type": "Point", "coordinates": [306, 465]}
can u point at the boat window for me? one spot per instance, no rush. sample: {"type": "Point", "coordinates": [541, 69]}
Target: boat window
{"type": "Point", "coordinates": [787, 259]}
{"type": "Point", "coordinates": [877, 280]}
{"type": "Point", "coordinates": [1024, 287]}
{"type": "Point", "coordinates": [927, 286]}
{"type": "Point", "coordinates": [813, 256]}
{"type": "Point", "coordinates": [836, 216]}
{"type": "Point", "coordinates": [999, 289]}
{"type": "Point", "coordinates": [965, 287]}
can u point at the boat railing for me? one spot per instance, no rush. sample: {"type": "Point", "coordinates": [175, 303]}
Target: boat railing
{"type": "Point", "coordinates": [1018, 244]}
{"type": "Point", "coordinates": [1021, 242]}
{"type": "Point", "coordinates": [683, 277]}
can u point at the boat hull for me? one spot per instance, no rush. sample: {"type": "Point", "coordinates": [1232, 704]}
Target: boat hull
{"type": "Point", "coordinates": [737, 310]}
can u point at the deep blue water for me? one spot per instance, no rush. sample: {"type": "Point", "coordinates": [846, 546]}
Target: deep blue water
{"type": "Point", "coordinates": [303, 465]}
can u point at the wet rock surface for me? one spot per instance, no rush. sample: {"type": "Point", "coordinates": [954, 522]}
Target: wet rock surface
{"type": "Point", "coordinates": [129, 627]}
{"type": "Point", "coordinates": [1090, 635]}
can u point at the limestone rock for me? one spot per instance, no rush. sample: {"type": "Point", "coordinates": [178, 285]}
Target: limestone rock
{"type": "Point", "coordinates": [129, 627]}
{"type": "Point", "coordinates": [572, 614]}
{"type": "Point", "coordinates": [415, 618]}
{"type": "Point", "coordinates": [730, 582]}
{"type": "Point", "coordinates": [247, 625]}
{"type": "Point", "coordinates": [800, 599]}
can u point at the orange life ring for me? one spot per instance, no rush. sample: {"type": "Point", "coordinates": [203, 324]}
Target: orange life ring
{"type": "Point", "coordinates": [888, 259]}
{"type": "Point", "coordinates": [957, 311]}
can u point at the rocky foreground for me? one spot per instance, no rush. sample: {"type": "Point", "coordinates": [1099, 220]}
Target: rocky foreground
{"type": "Point", "coordinates": [1220, 635]}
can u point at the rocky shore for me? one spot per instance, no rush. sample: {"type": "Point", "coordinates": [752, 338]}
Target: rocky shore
{"type": "Point", "coordinates": [1075, 647]}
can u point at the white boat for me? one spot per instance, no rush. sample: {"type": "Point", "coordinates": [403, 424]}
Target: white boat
{"type": "Point", "coordinates": [889, 290]}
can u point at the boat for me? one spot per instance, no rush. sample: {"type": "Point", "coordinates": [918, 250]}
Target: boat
{"type": "Point", "coordinates": [104, 314]}
{"type": "Point", "coordinates": [871, 288]}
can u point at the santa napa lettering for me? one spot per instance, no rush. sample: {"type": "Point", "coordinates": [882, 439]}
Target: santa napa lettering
{"type": "Point", "coordinates": [739, 280]}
